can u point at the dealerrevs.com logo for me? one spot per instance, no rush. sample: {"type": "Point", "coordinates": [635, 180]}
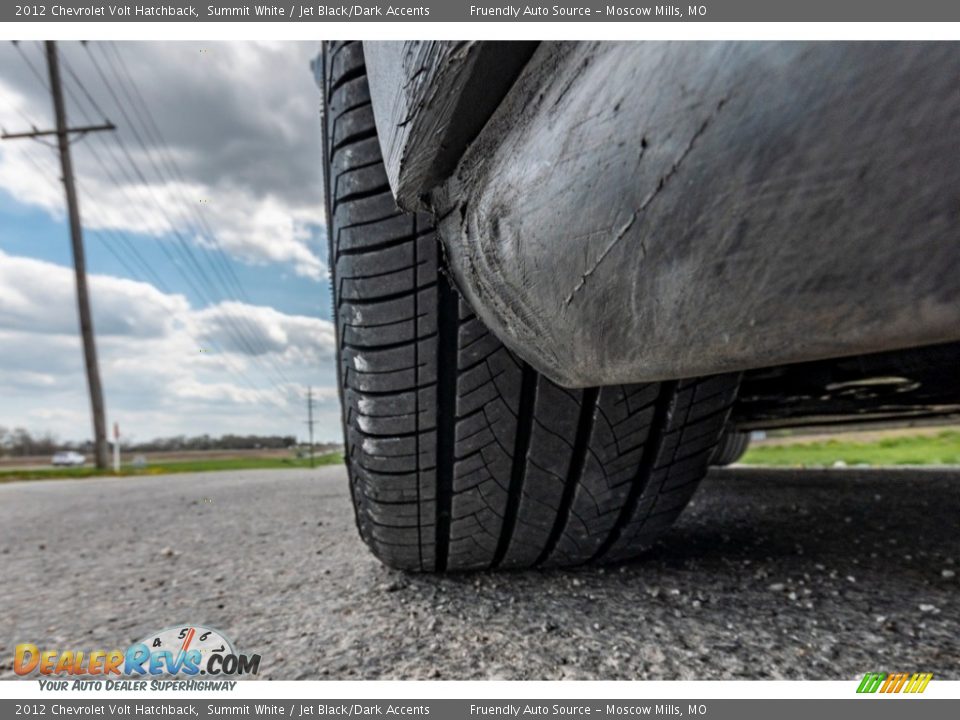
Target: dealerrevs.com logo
{"type": "Point", "coordinates": [180, 651]}
{"type": "Point", "coordinates": [894, 683]}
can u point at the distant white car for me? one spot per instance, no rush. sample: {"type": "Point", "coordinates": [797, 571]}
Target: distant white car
{"type": "Point", "coordinates": [68, 458]}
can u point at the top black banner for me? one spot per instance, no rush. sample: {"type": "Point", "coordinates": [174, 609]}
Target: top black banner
{"type": "Point", "coordinates": [461, 11]}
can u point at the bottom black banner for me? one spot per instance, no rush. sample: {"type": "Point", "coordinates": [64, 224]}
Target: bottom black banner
{"type": "Point", "coordinates": [874, 708]}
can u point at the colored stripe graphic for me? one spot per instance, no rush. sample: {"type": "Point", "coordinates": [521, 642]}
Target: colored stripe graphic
{"type": "Point", "coordinates": [871, 682]}
{"type": "Point", "coordinates": [894, 683]}
{"type": "Point", "coordinates": [918, 683]}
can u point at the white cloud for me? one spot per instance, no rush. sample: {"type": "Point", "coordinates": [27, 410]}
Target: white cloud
{"type": "Point", "coordinates": [241, 122]}
{"type": "Point", "coordinates": [243, 131]}
{"type": "Point", "coordinates": [167, 368]}
{"type": "Point", "coordinates": [29, 288]}
{"type": "Point", "coordinates": [269, 232]}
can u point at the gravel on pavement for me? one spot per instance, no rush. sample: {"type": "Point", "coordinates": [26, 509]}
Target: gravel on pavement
{"type": "Point", "coordinates": [787, 574]}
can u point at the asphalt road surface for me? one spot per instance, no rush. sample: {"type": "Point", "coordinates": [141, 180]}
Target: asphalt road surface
{"type": "Point", "coordinates": [769, 574]}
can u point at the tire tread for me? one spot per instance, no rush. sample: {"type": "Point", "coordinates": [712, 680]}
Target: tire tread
{"type": "Point", "coordinates": [460, 455]}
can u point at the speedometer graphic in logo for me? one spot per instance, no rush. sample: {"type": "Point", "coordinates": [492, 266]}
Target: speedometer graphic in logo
{"type": "Point", "coordinates": [197, 642]}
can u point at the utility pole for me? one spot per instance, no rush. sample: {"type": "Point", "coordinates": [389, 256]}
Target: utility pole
{"type": "Point", "coordinates": [310, 420]}
{"type": "Point", "coordinates": [76, 241]}
{"type": "Point", "coordinates": [116, 448]}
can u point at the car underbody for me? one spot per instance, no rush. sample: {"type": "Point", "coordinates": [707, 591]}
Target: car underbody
{"type": "Point", "coordinates": [570, 277]}
{"type": "Point", "coordinates": [789, 212]}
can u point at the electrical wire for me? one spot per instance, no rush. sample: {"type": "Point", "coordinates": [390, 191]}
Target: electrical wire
{"type": "Point", "coordinates": [247, 336]}
{"type": "Point", "coordinates": [128, 246]}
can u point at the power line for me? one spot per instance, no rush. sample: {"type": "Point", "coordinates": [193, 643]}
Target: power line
{"type": "Point", "coordinates": [139, 107]}
{"type": "Point", "coordinates": [247, 338]}
{"type": "Point", "coordinates": [117, 256]}
{"type": "Point", "coordinates": [183, 248]}
{"type": "Point", "coordinates": [231, 367]}
{"type": "Point", "coordinates": [83, 89]}
{"type": "Point", "coordinates": [123, 238]}
{"type": "Point", "coordinates": [99, 234]}
{"type": "Point", "coordinates": [45, 173]}
{"type": "Point", "coordinates": [172, 165]}
{"type": "Point", "coordinates": [36, 73]}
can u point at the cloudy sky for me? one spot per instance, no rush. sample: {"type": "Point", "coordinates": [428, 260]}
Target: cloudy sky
{"type": "Point", "coordinates": [204, 235]}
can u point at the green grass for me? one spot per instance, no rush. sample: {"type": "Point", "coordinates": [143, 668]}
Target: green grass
{"type": "Point", "coordinates": [174, 466]}
{"type": "Point", "coordinates": [940, 449]}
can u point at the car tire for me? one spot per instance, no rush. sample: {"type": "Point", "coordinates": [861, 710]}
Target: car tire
{"type": "Point", "coordinates": [460, 455]}
{"type": "Point", "coordinates": [732, 446]}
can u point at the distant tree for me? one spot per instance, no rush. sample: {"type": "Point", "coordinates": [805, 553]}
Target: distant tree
{"type": "Point", "coordinates": [20, 443]}
{"type": "Point", "coordinates": [206, 442]}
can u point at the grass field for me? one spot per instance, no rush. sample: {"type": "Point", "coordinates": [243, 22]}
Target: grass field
{"type": "Point", "coordinates": [942, 448]}
{"type": "Point", "coordinates": [174, 466]}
